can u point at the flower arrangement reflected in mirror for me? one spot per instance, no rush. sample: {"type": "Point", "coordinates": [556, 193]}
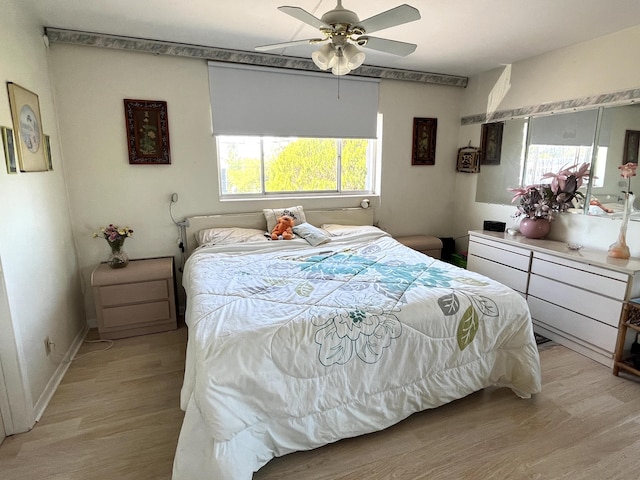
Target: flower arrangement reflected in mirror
{"type": "Point", "coordinates": [544, 201]}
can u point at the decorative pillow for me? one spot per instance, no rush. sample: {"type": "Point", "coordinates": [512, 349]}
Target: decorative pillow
{"type": "Point", "coordinates": [311, 234]}
{"type": "Point", "coordinates": [336, 230]}
{"type": "Point", "coordinates": [272, 215]}
{"type": "Point", "coordinates": [227, 235]}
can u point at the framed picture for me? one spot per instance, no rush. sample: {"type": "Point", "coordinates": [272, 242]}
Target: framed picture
{"type": "Point", "coordinates": [47, 149]}
{"type": "Point", "coordinates": [9, 149]}
{"type": "Point", "coordinates": [27, 123]}
{"type": "Point", "coordinates": [631, 146]}
{"type": "Point", "coordinates": [491, 143]}
{"type": "Point", "coordinates": [468, 160]}
{"type": "Point", "coordinates": [147, 132]}
{"type": "Point", "coordinates": [424, 141]}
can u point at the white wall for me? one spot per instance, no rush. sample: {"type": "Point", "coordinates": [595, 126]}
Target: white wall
{"type": "Point", "coordinates": [603, 65]}
{"type": "Point", "coordinates": [90, 85]}
{"type": "Point", "coordinates": [39, 263]}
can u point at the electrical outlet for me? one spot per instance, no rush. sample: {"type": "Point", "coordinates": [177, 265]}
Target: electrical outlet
{"type": "Point", "coordinates": [47, 346]}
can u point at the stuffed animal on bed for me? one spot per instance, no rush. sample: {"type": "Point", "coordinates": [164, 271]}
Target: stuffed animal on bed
{"type": "Point", "coordinates": [284, 227]}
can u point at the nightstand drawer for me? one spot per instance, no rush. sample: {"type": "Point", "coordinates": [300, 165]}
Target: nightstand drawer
{"type": "Point", "coordinates": [134, 293]}
{"type": "Point", "coordinates": [136, 314]}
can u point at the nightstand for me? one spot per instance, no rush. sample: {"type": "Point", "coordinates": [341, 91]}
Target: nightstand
{"type": "Point", "coordinates": [426, 244]}
{"type": "Point", "coordinates": [135, 300]}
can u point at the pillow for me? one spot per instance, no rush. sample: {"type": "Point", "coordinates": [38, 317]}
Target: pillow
{"type": "Point", "coordinates": [227, 235]}
{"type": "Point", "coordinates": [336, 230]}
{"type": "Point", "coordinates": [272, 215]}
{"type": "Point", "coordinates": [313, 235]}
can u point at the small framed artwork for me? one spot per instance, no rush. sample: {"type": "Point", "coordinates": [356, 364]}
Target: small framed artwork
{"type": "Point", "coordinates": [9, 149]}
{"type": "Point", "coordinates": [491, 143]}
{"type": "Point", "coordinates": [424, 141]}
{"type": "Point", "coordinates": [468, 160]}
{"type": "Point", "coordinates": [47, 149]}
{"type": "Point", "coordinates": [27, 124]}
{"type": "Point", "coordinates": [147, 132]}
{"type": "Point", "coordinates": [631, 146]}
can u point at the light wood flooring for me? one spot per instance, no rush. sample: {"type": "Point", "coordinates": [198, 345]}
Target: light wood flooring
{"type": "Point", "coordinates": [116, 416]}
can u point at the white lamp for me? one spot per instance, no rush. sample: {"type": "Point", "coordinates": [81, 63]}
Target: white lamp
{"type": "Point", "coordinates": [341, 59]}
{"type": "Point", "coordinates": [324, 57]}
{"type": "Point", "coordinates": [354, 56]}
{"type": "Point", "coordinates": [341, 64]}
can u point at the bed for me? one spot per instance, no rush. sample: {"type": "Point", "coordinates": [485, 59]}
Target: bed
{"type": "Point", "coordinates": [293, 346]}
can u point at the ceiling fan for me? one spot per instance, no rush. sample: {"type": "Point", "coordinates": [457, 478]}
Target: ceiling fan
{"type": "Point", "coordinates": [343, 32]}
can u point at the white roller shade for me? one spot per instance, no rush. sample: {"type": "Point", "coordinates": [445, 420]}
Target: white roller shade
{"type": "Point", "coordinates": [247, 100]}
{"type": "Point", "coordinates": [574, 128]}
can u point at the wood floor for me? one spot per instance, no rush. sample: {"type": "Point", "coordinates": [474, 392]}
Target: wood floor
{"type": "Point", "coordinates": [116, 416]}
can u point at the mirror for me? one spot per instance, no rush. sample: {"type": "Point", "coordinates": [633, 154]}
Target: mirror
{"type": "Point", "coordinates": [617, 144]}
{"type": "Point", "coordinates": [507, 173]}
{"type": "Point", "coordinates": [536, 145]}
{"type": "Point", "coordinates": [554, 141]}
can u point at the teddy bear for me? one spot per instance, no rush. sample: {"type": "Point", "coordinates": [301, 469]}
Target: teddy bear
{"type": "Point", "coordinates": [284, 227]}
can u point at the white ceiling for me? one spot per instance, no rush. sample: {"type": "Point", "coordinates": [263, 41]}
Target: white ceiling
{"type": "Point", "coordinates": [456, 37]}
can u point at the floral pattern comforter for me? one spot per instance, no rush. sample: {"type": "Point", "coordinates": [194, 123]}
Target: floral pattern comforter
{"type": "Point", "coordinates": [292, 347]}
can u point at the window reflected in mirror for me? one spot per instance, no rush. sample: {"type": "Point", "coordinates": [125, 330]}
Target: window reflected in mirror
{"type": "Point", "coordinates": [613, 150]}
{"type": "Point", "coordinates": [559, 141]}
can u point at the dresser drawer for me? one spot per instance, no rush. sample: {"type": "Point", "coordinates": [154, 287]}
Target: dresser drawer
{"type": "Point", "coordinates": [136, 315]}
{"type": "Point", "coordinates": [574, 326]}
{"type": "Point", "coordinates": [583, 276]}
{"type": "Point", "coordinates": [504, 254]}
{"type": "Point", "coordinates": [604, 309]}
{"type": "Point", "coordinates": [511, 277]}
{"type": "Point", "coordinates": [134, 293]}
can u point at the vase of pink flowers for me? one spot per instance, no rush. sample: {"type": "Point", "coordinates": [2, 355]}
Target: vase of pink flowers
{"type": "Point", "coordinates": [619, 248]}
{"type": "Point", "coordinates": [540, 204]}
{"type": "Point", "coordinates": [115, 237]}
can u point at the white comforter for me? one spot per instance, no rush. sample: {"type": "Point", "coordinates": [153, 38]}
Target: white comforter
{"type": "Point", "coordinates": [292, 347]}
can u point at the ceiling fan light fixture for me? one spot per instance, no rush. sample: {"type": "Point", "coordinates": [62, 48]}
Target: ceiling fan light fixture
{"type": "Point", "coordinates": [354, 57]}
{"type": "Point", "coordinates": [341, 64]}
{"type": "Point", "coordinates": [346, 34]}
{"type": "Point", "coordinates": [324, 57]}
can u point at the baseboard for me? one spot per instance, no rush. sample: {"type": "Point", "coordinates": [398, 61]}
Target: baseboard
{"type": "Point", "coordinates": [58, 375]}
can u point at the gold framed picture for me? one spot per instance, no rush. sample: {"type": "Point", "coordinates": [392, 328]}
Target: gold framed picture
{"type": "Point", "coordinates": [631, 146]}
{"type": "Point", "coordinates": [27, 125]}
{"type": "Point", "coordinates": [424, 141]}
{"type": "Point", "coordinates": [147, 124]}
{"type": "Point", "coordinates": [491, 143]}
{"type": "Point", "coordinates": [47, 150]}
{"type": "Point", "coordinates": [9, 149]}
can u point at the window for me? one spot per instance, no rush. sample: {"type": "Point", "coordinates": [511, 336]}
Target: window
{"type": "Point", "coordinates": [257, 165]}
{"type": "Point", "coordinates": [551, 158]}
{"type": "Point", "coordinates": [290, 132]}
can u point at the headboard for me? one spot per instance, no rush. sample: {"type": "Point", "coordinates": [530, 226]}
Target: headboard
{"type": "Point", "coordinates": [343, 216]}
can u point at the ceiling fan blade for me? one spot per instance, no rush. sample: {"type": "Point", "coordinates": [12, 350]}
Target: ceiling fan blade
{"type": "Point", "coordinates": [303, 16]}
{"type": "Point", "coordinates": [390, 18]}
{"type": "Point", "coordinates": [388, 46]}
{"type": "Point", "coordinates": [275, 46]}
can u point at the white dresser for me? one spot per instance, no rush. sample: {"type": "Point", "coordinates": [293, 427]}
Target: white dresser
{"type": "Point", "coordinates": [575, 297]}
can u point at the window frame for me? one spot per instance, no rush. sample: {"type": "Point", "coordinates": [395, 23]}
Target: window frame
{"type": "Point", "coordinates": [372, 180]}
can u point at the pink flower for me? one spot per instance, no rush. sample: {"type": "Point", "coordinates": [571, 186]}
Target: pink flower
{"type": "Point", "coordinates": [628, 170]}
{"type": "Point", "coordinates": [518, 192]}
{"type": "Point", "coordinates": [559, 182]}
